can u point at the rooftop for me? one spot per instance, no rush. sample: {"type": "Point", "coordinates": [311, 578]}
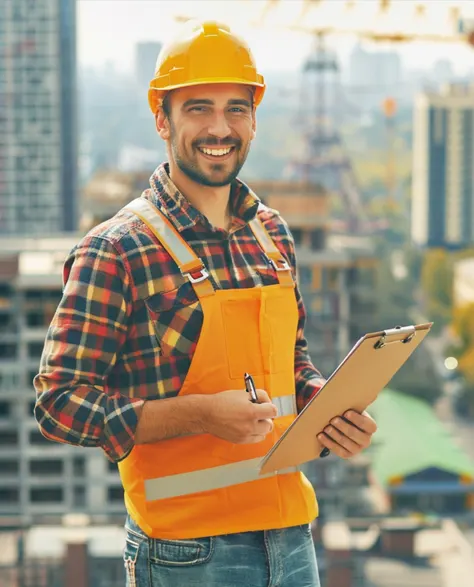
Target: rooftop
{"type": "Point", "coordinates": [411, 438]}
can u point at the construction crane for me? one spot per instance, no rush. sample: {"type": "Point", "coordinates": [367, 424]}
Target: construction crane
{"type": "Point", "coordinates": [326, 160]}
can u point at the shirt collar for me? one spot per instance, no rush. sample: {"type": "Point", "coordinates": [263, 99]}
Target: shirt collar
{"type": "Point", "coordinates": [166, 196]}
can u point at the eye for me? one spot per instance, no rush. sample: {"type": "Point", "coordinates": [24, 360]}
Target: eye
{"type": "Point", "coordinates": [197, 109]}
{"type": "Point", "coordinates": [237, 109]}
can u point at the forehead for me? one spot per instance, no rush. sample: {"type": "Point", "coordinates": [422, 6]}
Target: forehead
{"type": "Point", "coordinates": [217, 93]}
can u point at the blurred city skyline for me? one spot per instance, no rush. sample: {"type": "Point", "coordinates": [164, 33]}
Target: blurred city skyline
{"type": "Point", "coordinates": [102, 22]}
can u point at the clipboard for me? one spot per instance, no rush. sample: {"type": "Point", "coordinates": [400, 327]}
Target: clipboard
{"type": "Point", "coordinates": [355, 384]}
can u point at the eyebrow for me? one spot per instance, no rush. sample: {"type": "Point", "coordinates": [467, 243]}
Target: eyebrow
{"type": "Point", "coordinates": [200, 101]}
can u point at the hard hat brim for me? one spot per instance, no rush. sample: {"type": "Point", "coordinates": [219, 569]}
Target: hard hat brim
{"type": "Point", "coordinates": [156, 94]}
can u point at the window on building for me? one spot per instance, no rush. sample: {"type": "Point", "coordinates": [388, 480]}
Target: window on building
{"type": "Point", "coordinates": [115, 493]}
{"type": "Point", "coordinates": [35, 349]}
{"type": "Point", "coordinates": [8, 438]}
{"type": "Point", "coordinates": [46, 495]}
{"type": "Point", "coordinates": [317, 239]}
{"type": "Point", "coordinates": [8, 351]}
{"type": "Point", "coordinates": [9, 467]}
{"type": "Point", "coordinates": [9, 495]}
{"type": "Point", "coordinates": [7, 322]}
{"type": "Point", "coordinates": [79, 496]}
{"type": "Point", "coordinates": [304, 276]}
{"type": "Point", "coordinates": [79, 466]}
{"type": "Point", "coordinates": [297, 235]}
{"type": "Point", "coordinates": [36, 438]}
{"type": "Point", "coordinates": [112, 466]}
{"type": "Point", "coordinates": [5, 410]}
{"type": "Point", "coordinates": [46, 467]}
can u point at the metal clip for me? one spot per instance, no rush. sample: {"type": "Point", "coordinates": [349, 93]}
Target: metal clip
{"type": "Point", "coordinates": [203, 274]}
{"type": "Point", "coordinates": [410, 331]}
{"type": "Point", "coordinates": [284, 265]}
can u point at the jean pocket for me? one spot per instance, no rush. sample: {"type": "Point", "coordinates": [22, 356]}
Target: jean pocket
{"type": "Point", "coordinates": [305, 529]}
{"type": "Point", "coordinates": [181, 553]}
{"type": "Point", "coordinates": [130, 556]}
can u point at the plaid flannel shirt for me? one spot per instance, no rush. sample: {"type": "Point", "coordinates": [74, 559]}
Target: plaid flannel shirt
{"type": "Point", "coordinates": [128, 322]}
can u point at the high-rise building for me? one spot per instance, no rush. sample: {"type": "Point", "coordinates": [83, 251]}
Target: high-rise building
{"type": "Point", "coordinates": [145, 61]}
{"type": "Point", "coordinates": [367, 66]}
{"type": "Point", "coordinates": [443, 182]}
{"type": "Point", "coordinates": [38, 158]}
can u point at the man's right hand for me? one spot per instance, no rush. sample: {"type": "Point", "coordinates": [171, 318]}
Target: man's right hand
{"type": "Point", "coordinates": [231, 415]}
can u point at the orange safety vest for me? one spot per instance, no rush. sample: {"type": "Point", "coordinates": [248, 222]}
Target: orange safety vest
{"type": "Point", "coordinates": [201, 485]}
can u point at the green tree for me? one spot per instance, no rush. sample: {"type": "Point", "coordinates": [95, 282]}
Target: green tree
{"type": "Point", "coordinates": [437, 286]}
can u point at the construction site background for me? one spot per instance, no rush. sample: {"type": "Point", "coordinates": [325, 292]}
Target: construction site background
{"type": "Point", "coordinates": [370, 161]}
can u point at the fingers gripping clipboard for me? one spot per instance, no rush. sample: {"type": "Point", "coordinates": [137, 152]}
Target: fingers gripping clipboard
{"type": "Point", "coordinates": [355, 384]}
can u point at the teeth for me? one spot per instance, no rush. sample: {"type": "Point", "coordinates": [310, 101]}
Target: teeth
{"type": "Point", "coordinates": [216, 152]}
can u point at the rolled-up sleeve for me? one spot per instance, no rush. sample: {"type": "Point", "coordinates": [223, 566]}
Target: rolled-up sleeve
{"type": "Point", "coordinates": [308, 379]}
{"type": "Point", "coordinates": [74, 403]}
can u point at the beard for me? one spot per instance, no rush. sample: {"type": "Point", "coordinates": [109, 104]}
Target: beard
{"type": "Point", "coordinates": [219, 174]}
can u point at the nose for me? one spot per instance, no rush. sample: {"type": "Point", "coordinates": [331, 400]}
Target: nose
{"type": "Point", "coordinates": [219, 127]}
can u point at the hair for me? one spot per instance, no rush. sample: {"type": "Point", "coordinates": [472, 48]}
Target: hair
{"type": "Point", "coordinates": [166, 106]}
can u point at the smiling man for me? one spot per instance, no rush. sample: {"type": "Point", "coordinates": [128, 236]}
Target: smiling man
{"type": "Point", "coordinates": [165, 308]}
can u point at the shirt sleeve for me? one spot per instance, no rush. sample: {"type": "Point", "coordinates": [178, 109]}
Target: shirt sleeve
{"type": "Point", "coordinates": [308, 379]}
{"type": "Point", "coordinates": [74, 404]}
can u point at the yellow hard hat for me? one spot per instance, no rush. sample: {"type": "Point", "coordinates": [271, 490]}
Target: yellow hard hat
{"type": "Point", "coordinates": [206, 53]}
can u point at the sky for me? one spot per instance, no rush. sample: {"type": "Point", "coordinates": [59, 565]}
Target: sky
{"type": "Point", "coordinates": [109, 29]}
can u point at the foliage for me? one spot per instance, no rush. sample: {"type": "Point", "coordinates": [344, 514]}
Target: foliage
{"type": "Point", "coordinates": [437, 286]}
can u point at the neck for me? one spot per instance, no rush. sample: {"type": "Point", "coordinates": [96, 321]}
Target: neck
{"type": "Point", "coordinates": [212, 202]}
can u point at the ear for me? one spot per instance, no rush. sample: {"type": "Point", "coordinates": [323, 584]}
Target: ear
{"type": "Point", "coordinates": [162, 124]}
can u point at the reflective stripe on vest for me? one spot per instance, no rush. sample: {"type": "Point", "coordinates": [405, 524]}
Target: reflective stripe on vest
{"type": "Point", "coordinates": [182, 254]}
{"type": "Point", "coordinates": [280, 264]}
{"type": "Point", "coordinates": [285, 404]}
{"type": "Point", "coordinates": [217, 477]}
{"type": "Point", "coordinates": [208, 479]}
{"type": "Point", "coordinates": [265, 240]}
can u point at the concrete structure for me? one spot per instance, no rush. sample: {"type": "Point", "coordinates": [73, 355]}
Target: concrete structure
{"type": "Point", "coordinates": [337, 273]}
{"type": "Point", "coordinates": [443, 184]}
{"type": "Point", "coordinates": [356, 552]}
{"type": "Point", "coordinates": [38, 167]}
{"type": "Point", "coordinates": [39, 479]}
{"type": "Point", "coordinates": [391, 552]}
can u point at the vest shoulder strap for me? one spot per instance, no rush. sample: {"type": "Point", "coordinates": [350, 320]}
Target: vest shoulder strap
{"type": "Point", "coordinates": [183, 255]}
{"type": "Point", "coordinates": [280, 264]}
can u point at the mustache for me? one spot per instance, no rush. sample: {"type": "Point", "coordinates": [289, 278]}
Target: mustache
{"type": "Point", "coordinates": [213, 142]}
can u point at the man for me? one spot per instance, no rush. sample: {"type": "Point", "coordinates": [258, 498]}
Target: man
{"type": "Point", "coordinates": [166, 306]}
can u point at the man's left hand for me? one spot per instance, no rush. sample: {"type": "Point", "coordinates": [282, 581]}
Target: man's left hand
{"type": "Point", "coordinates": [347, 436]}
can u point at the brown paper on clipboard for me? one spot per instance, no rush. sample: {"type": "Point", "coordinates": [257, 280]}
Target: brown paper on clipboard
{"type": "Point", "coordinates": [355, 384]}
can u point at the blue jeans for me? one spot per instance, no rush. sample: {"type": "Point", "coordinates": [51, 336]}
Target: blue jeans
{"type": "Point", "coordinates": [274, 558]}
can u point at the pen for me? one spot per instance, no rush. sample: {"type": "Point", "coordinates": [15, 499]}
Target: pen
{"type": "Point", "coordinates": [250, 387]}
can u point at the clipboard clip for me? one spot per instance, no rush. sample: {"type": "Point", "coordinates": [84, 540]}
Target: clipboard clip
{"type": "Point", "coordinates": [395, 333]}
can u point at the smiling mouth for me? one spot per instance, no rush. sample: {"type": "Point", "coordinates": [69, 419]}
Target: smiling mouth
{"type": "Point", "coordinates": [221, 152]}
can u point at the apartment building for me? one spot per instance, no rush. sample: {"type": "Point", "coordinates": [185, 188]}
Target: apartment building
{"type": "Point", "coordinates": [443, 184]}
{"type": "Point", "coordinates": [39, 479]}
{"type": "Point", "coordinates": [38, 167]}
